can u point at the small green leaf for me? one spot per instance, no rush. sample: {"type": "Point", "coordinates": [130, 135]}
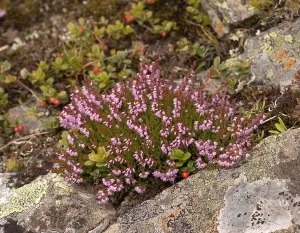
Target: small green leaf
{"type": "Point", "coordinates": [186, 156]}
{"type": "Point", "coordinates": [94, 157]}
{"type": "Point", "coordinates": [190, 164]}
{"type": "Point", "coordinates": [10, 79]}
{"type": "Point", "coordinates": [280, 127]}
{"type": "Point", "coordinates": [88, 163]}
{"type": "Point", "coordinates": [176, 154]}
{"type": "Point", "coordinates": [274, 132]}
{"type": "Point", "coordinates": [100, 164]}
{"type": "Point", "coordinates": [179, 163]}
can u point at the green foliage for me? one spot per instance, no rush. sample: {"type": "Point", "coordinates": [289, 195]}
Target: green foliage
{"type": "Point", "coordinates": [165, 26]}
{"type": "Point", "coordinates": [261, 4]}
{"type": "Point", "coordinates": [180, 157]}
{"type": "Point", "coordinates": [280, 127]}
{"type": "Point", "coordinates": [3, 97]}
{"type": "Point", "coordinates": [5, 78]}
{"type": "Point", "coordinates": [194, 12]}
{"type": "Point", "coordinates": [118, 30]}
{"type": "Point", "coordinates": [194, 49]}
{"type": "Point", "coordinates": [230, 72]}
{"type": "Point", "coordinates": [98, 159]}
{"type": "Point", "coordinates": [139, 12]}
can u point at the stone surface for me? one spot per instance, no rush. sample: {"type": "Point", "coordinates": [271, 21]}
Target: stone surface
{"type": "Point", "coordinates": [275, 54]}
{"type": "Point", "coordinates": [263, 195]}
{"type": "Point", "coordinates": [231, 12]}
{"type": "Point", "coordinates": [49, 204]}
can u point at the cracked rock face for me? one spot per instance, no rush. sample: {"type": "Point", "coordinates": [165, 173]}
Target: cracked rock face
{"type": "Point", "coordinates": [260, 196]}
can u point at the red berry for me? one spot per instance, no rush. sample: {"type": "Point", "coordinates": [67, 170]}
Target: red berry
{"type": "Point", "coordinates": [163, 34]}
{"type": "Point", "coordinates": [81, 28]}
{"type": "Point", "coordinates": [129, 18]}
{"type": "Point", "coordinates": [150, 1]}
{"type": "Point", "coordinates": [96, 69]}
{"type": "Point", "coordinates": [42, 104]}
{"type": "Point", "coordinates": [185, 174]}
{"type": "Point", "coordinates": [19, 128]}
{"type": "Point", "coordinates": [51, 100]}
{"type": "Point", "coordinates": [56, 102]}
{"type": "Point", "coordinates": [31, 131]}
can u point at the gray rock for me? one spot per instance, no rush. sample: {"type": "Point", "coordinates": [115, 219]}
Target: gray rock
{"type": "Point", "coordinates": [49, 204]}
{"type": "Point", "coordinates": [275, 54]}
{"type": "Point", "coordinates": [31, 117]}
{"type": "Point", "coordinates": [231, 12]}
{"type": "Point", "coordinates": [263, 195]}
{"type": "Point", "coordinates": [5, 191]}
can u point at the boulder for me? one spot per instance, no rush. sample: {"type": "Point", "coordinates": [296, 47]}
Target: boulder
{"type": "Point", "coordinates": [262, 195]}
{"type": "Point", "coordinates": [231, 12]}
{"type": "Point", "coordinates": [49, 204]}
{"type": "Point", "coordinates": [275, 54]}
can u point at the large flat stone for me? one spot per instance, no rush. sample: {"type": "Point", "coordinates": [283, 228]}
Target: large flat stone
{"type": "Point", "coordinates": [49, 204]}
{"type": "Point", "coordinates": [262, 195]}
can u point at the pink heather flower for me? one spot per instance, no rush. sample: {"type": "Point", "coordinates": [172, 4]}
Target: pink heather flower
{"type": "Point", "coordinates": [117, 172]}
{"type": "Point", "coordinates": [144, 175]}
{"type": "Point", "coordinates": [2, 13]}
{"type": "Point", "coordinates": [140, 189]}
{"type": "Point", "coordinates": [70, 139]}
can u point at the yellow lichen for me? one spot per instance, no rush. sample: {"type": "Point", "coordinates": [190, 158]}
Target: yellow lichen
{"type": "Point", "coordinates": [223, 5]}
{"type": "Point", "coordinates": [288, 38]}
{"type": "Point", "coordinates": [270, 74]}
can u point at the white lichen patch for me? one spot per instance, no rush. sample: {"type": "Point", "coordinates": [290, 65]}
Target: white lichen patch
{"type": "Point", "coordinates": [262, 206]}
{"type": "Point", "coordinates": [24, 198]}
{"type": "Point", "coordinates": [30, 195]}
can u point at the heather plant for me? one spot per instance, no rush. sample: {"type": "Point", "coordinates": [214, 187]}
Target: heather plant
{"type": "Point", "coordinates": [147, 130]}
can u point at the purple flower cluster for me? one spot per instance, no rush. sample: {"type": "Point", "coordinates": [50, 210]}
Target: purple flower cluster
{"type": "Point", "coordinates": [141, 121]}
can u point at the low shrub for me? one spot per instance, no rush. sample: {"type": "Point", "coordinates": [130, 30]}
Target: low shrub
{"type": "Point", "coordinates": [147, 130]}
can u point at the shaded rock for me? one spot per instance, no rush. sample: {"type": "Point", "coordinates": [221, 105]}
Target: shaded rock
{"type": "Point", "coordinates": [225, 13]}
{"type": "Point", "coordinates": [263, 195]}
{"type": "Point", "coordinates": [275, 54]}
{"type": "Point", "coordinates": [49, 204]}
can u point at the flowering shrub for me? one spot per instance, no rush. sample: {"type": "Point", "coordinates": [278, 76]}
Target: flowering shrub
{"type": "Point", "coordinates": [148, 129]}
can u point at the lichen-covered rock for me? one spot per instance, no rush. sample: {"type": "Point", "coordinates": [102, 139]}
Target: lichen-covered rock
{"type": "Point", "coordinates": [231, 12]}
{"type": "Point", "coordinates": [275, 54]}
{"type": "Point", "coordinates": [49, 204]}
{"type": "Point", "coordinates": [262, 195]}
